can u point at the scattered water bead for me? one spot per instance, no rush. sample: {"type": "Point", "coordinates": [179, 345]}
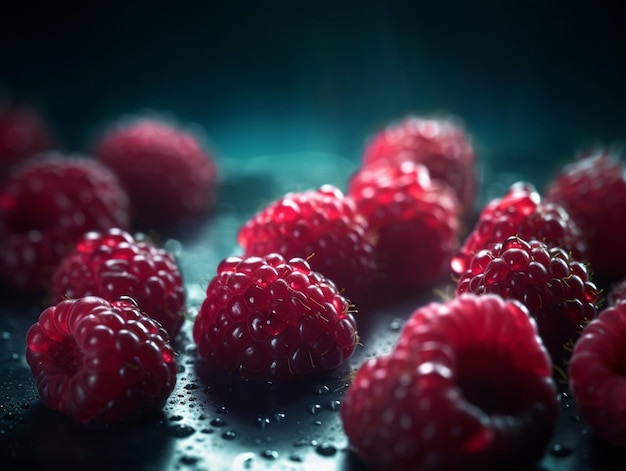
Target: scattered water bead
{"type": "Point", "coordinates": [560, 451]}
{"type": "Point", "coordinates": [326, 449]}
{"type": "Point", "coordinates": [269, 454]}
{"type": "Point", "coordinates": [181, 430]}
{"type": "Point", "coordinates": [218, 422]}
{"type": "Point", "coordinates": [229, 435]}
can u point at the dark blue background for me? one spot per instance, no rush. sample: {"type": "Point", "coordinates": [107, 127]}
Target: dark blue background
{"type": "Point", "coordinates": [534, 81]}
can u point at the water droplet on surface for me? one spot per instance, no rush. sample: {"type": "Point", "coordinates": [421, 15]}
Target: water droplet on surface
{"type": "Point", "coordinates": [301, 442]}
{"type": "Point", "coordinates": [326, 449]}
{"type": "Point", "coordinates": [181, 431]}
{"type": "Point", "coordinates": [323, 390]}
{"type": "Point", "coordinates": [191, 349]}
{"type": "Point", "coordinates": [560, 451]}
{"type": "Point", "coordinates": [173, 246]}
{"type": "Point", "coordinates": [296, 458]}
{"type": "Point", "coordinates": [5, 335]}
{"type": "Point", "coordinates": [269, 454]}
{"type": "Point", "coordinates": [229, 435]}
{"type": "Point", "coordinates": [263, 422]}
{"type": "Point", "coordinates": [176, 418]}
{"type": "Point", "coordinates": [243, 460]}
{"type": "Point", "coordinates": [218, 422]}
{"type": "Point", "coordinates": [314, 409]}
{"type": "Point", "coordinates": [279, 416]}
{"type": "Point", "coordinates": [189, 460]}
{"type": "Point", "coordinates": [317, 422]}
{"type": "Point", "coordinates": [334, 405]}
{"type": "Point", "coordinates": [395, 325]}
{"type": "Point", "coordinates": [190, 386]}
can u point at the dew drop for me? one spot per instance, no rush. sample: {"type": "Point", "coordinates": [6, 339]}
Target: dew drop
{"type": "Point", "coordinates": [326, 449]}
{"type": "Point", "coordinates": [317, 423]}
{"type": "Point", "coordinates": [176, 418]}
{"type": "Point", "coordinates": [229, 435]}
{"type": "Point", "coordinates": [190, 386]}
{"type": "Point", "coordinates": [269, 454]}
{"type": "Point", "coordinates": [218, 422]}
{"type": "Point", "coordinates": [189, 460]}
{"type": "Point", "coordinates": [263, 422]}
{"type": "Point", "coordinates": [395, 325]}
{"type": "Point", "coordinates": [560, 451]}
{"type": "Point", "coordinates": [5, 335]}
{"type": "Point", "coordinates": [296, 458]}
{"type": "Point", "coordinates": [181, 431]}
{"type": "Point", "coordinates": [314, 409]}
{"type": "Point", "coordinates": [323, 390]}
{"type": "Point", "coordinates": [279, 417]}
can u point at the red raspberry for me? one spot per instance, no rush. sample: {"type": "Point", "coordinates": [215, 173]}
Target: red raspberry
{"type": "Point", "coordinates": [554, 287]}
{"type": "Point", "coordinates": [596, 373]}
{"type": "Point", "coordinates": [415, 221]}
{"type": "Point", "coordinates": [168, 174]}
{"type": "Point", "coordinates": [24, 133]}
{"type": "Point", "coordinates": [112, 264]}
{"type": "Point", "coordinates": [100, 361]}
{"type": "Point", "coordinates": [322, 226]}
{"type": "Point", "coordinates": [268, 318]}
{"type": "Point", "coordinates": [46, 205]}
{"type": "Point", "coordinates": [521, 212]}
{"type": "Point", "coordinates": [593, 191]}
{"type": "Point", "coordinates": [468, 386]}
{"type": "Point", "coordinates": [442, 145]}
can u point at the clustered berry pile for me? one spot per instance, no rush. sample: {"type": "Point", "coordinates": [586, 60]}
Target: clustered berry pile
{"type": "Point", "coordinates": [472, 381]}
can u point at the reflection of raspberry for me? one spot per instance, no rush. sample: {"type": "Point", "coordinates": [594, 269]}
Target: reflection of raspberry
{"type": "Point", "coordinates": [24, 133]}
{"type": "Point", "coordinates": [521, 212]}
{"type": "Point", "coordinates": [596, 374]}
{"type": "Point", "coordinates": [468, 386]}
{"type": "Point", "coordinates": [554, 287]}
{"type": "Point", "coordinates": [593, 191]}
{"type": "Point", "coordinates": [320, 225]}
{"type": "Point", "coordinates": [100, 361]}
{"type": "Point", "coordinates": [415, 221]}
{"type": "Point", "coordinates": [268, 318]}
{"type": "Point", "coordinates": [168, 174]}
{"type": "Point", "coordinates": [442, 145]}
{"type": "Point", "coordinates": [46, 205]}
{"type": "Point", "coordinates": [112, 264]}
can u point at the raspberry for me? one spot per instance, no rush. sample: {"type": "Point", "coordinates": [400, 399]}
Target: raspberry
{"type": "Point", "coordinates": [415, 221]}
{"type": "Point", "coordinates": [521, 212]}
{"type": "Point", "coordinates": [112, 264]}
{"type": "Point", "coordinates": [24, 133]}
{"type": "Point", "coordinates": [468, 386]}
{"type": "Point", "coordinates": [100, 361]}
{"type": "Point", "coordinates": [169, 176]}
{"type": "Point", "coordinates": [322, 226]}
{"type": "Point", "coordinates": [597, 374]}
{"type": "Point", "coordinates": [46, 205]}
{"type": "Point", "coordinates": [441, 144]}
{"type": "Point", "coordinates": [593, 191]}
{"type": "Point", "coordinates": [268, 318]}
{"type": "Point", "coordinates": [554, 287]}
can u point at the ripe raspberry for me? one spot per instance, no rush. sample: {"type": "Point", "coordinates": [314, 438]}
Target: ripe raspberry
{"type": "Point", "coordinates": [112, 264]}
{"type": "Point", "coordinates": [268, 318]}
{"type": "Point", "coordinates": [596, 373]}
{"type": "Point", "coordinates": [169, 176]}
{"type": "Point", "coordinates": [554, 287]}
{"type": "Point", "coordinates": [468, 386]}
{"type": "Point", "coordinates": [521, 212]}
{"type": "Point", "coordinates": [24, 133]}
{"type": "Point", "coordinates": [415, 221]}
{"type": "Point", "coordinates": [322, 226]}
{"type": "Point", "coordinates": [100, 361]}
{"type": "Point", "coordinates": [442, 145]}
{"type": "Point", "coordinates": [46, 205]}
{"type": "Point", "coordinates": [593, 191]}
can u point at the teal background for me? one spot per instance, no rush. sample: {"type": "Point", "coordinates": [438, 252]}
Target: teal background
{"type": "Point", "coordinates": [533, 81]}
